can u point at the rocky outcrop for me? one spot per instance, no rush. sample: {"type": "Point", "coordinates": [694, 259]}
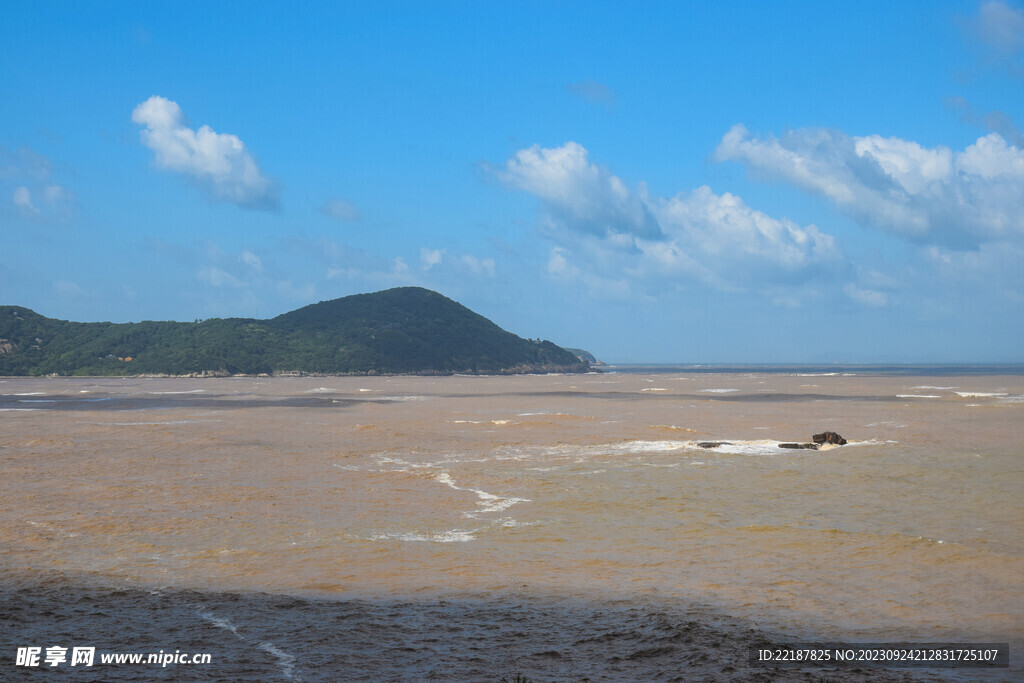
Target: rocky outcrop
{"type": "Point", "coordinates": [829, 437]}
{"type": "Point", "coordinates": [818, 440]}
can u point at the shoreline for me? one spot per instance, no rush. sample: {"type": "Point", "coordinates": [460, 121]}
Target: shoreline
{"type": "Point", "coordinates": [798, 369]}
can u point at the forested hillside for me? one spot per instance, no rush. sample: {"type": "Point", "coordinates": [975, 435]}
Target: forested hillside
{"type": "Point", "coordinates": [408, 330]}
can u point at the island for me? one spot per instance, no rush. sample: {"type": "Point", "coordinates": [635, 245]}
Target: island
{"type": "Point", "coordinates": [405, 330]}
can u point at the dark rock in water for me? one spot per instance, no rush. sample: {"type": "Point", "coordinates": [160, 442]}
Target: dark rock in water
{"type": "Point", "coordinates": [829, 437]}
{"type": "Point", "coordinates": [713, 444]}
{"type": "Point", "coordinates": [805, 446]}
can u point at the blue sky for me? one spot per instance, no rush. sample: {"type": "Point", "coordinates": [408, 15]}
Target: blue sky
{"type": "Point", "coordinates": [655, 182]}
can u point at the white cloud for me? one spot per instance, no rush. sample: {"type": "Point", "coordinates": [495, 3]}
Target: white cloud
{"type": "Point", "coordinates": [929, 195]}
{"type": "Point", "coordinates": [217, 162]}
{"type": "Point", "coordinates": [477, 265]}
{"type": "Point", "coordinates": [217, 277]}
{"type": "Point", "coordinates": [723, 233]}
{"type": "Point", "coordinates": [23, 200]}
{"type": "Point", "coordinates": [578, 193]}
{"type": "Point", "coordinates": [341, 210]}
{"type": "Point", "coordinates": [1001, 27]}
{"type": "Point", "coordinates": [252, 260]}
{"type": "Point", "coordinates": [868, 297]}
{"type": "Point", "coordinates": [430, 257]}
{"type": "Point", "coordinates": [716, 239]}
{"type": "Point", "coordinates": [25, 178]}
{"type": "Point", "coordinates": [559, 266]}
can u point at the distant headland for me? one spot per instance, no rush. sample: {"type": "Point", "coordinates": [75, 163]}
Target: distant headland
{"type": "Point", "coordinates": [406, 330]}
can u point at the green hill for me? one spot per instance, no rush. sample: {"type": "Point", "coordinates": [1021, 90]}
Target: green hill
{"type": "Point", "coordinates": [408, 330]}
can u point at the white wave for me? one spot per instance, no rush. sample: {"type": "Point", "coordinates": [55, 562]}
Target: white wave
{"type": "Point", "coordinates": [719, 391]}
{"type": "Point", "coordinates": [510, 523]}
{"type": "Point", "coordinates": [453, 536]}
{"type": "Point", "coordinates": [488, 502]}
{"type": "Point", "coordinates": [401, 398]}
{"type": "Point", "coordinates": [30, 393]}
{"type": "Point", "coordinates": [929, 386]}
{"type": "Point", "coordinates": [491, 503]}
{"type": "Point", "coordinates": [816, 374]}
{"type": "Point", "coordinates": [284, 660]}
{"type": "Point", "coordinates": [917, 396]}
{"type": "Point", "coordinates": [220, 622]}
{"type": "Point", "coordinates": [756, 447]}
{"type": "Point", "coordinates": [19, 410]}
{"type": "Point", "coordinates": [654, 389]}
{"type": "Point", "coordinates": [404, 464]}
{"type": "Point", "coordinates": [37, 400]}
{"type": "Point", "coordinates": [633, 447]}
{"type": "Point", "coordinates": [320, 390]}
{"type": "Point", "coordinates": [168, 422]}
{"type": "Point", "coordinates": [981, 394]}
{"type": "Point", "coordinates": [545, 412]}
{"type": "Point", "coordinates": [872, 442]}
{"type": "Point", "coordinates": [192, 391]}
{"type": "Point", "coordinates": [1013, 399]}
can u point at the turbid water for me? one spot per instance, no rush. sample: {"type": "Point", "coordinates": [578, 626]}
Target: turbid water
{"type": "Point", "coordinates": [468, 528]}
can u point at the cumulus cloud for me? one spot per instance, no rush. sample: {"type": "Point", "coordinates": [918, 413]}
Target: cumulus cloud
{"type": "Point", "coordinates": [724, 240]}
{"type": "Point", "coordinates": [579, 193]}
{"type": "Point", "coordinates": [218, 163]}
{"type": "Point", "coordinates": [341, 210]}
{"type": "Point", "coordinates": [622, 233]}
{"type": "Point", "coordinates": [928, 195]}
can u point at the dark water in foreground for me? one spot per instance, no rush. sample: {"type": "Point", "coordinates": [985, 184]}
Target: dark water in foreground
{"type": "Point", "coordinates": [262, 637]}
